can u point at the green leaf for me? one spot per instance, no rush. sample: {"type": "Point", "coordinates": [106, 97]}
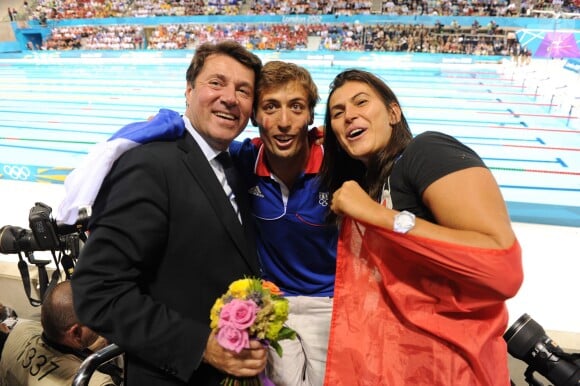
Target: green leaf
{"type": "Point", "coordinates": [286, 333]}
{"type": "Point", "coordinates": [277, 347]}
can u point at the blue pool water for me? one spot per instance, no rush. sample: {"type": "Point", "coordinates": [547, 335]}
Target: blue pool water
{"type": "Point", "coordinates": [526, 129]}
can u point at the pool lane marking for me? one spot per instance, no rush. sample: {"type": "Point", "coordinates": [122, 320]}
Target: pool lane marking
{"type": "Point", "coordinates": [551, 188]}
{"type": "Point", "coordinates": [543, 147]}
{"type": "Point", "coordinates": [44, 149]}
{"type": "Point", "coordinates": [470, 140]}
{"type": "Point", "coordinates": [48, 140]}
{"type": "Point", "coordinates": [510, 112]}
{"type": "Point", "coordinates": [557, 160]}
{"type": "Point", "coordinates": [539, 171]}
{"type": "Point", "coordinates": [76, 131]}
{"type": "Point", "coordinates": [567, 131]}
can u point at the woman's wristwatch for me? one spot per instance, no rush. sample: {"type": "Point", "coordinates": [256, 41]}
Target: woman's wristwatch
{"type": "Point", "coordinates": [404, 221]}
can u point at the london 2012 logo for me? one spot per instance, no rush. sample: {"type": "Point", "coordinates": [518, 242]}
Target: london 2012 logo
{"type": "Point", "coordinates": [16, 172]}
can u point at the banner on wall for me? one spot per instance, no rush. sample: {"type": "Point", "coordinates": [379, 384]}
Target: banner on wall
{"type": "Point", "coordinates": [550, 44]}
{"type": "Point", "coordinates": [558, 45]}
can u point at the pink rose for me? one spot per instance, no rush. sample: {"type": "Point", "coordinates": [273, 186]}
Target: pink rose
{"type": "Point", "coordinates": [233, 339]}
{"type": "Point", "coordinates": [238, 313]}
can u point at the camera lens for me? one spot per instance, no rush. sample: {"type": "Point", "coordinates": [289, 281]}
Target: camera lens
{"type": "Point", "coordinates": [523, 335]}
{"type": "Point", "coordinates": [8, 239]}
{"type": "Point", "coordinates": [527, 341]}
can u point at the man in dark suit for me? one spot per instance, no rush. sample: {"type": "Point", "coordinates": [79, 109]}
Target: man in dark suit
{"type": "Point", "coordinates": [166, 241]}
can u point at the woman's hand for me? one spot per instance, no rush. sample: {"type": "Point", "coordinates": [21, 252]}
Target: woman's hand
{"type": "Point", "coordinates": [351, 200]}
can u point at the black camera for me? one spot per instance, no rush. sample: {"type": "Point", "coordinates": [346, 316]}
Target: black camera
{"type": "Point", "coordinates": [45, 233]}
{"type": "Point", "coordinates": [527, 341]}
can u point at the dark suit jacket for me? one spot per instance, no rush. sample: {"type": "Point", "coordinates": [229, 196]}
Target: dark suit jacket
{"type": "Point", "coordinates": [164, 244]}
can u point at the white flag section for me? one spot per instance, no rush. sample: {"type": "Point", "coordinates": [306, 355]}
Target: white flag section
{"type": "Point", "coordinates": [83, 183]}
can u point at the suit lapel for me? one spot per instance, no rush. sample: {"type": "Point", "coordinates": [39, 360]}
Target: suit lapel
{"type": "Point", "coordinates": [202, 171]}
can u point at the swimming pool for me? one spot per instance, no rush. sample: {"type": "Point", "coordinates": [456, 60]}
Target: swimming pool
{"type": "Point", "coordinates": [52, 110]}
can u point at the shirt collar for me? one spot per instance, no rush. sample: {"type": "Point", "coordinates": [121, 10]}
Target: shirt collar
{"type": "Point", "coordinates": [209, 152]}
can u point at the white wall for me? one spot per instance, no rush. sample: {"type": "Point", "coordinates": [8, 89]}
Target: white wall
{"type": "Point", "coordinates": [551, 258]}
{"type": "Point", "coordinates": [549, 294]}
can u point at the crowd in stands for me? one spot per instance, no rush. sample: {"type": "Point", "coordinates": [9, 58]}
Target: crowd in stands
{"type": "Point", "coordinates": [477, 39]}
{"type": "Point", "coordinates": [314, 7]}
{"type": "Point", "coordinates": [44, 10]}
{"type": "Point", "coordinates": [117, 37]}
{"type": "Point", "coordinates": [488, 40]}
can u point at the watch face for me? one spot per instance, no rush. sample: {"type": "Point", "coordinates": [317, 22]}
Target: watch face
{"type": "Point", "coordinates": [404, 222]}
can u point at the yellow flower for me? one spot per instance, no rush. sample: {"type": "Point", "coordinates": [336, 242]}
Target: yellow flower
{"type": "Point", "coordinates": [214, 314]}
{"type": "Point", "coordinates": [239, 288]}
{"type": "Point", "coordinates": [281, 309]}
{"type": "Point", "coordinates": [273, 330]}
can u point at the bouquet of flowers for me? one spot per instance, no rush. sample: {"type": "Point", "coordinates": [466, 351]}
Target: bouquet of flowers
{"type": "Point", "coordinates": [252, 308]}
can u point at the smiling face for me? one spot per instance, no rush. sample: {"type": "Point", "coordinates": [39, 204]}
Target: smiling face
{"type": "Point", "coordinates": [360, 120]}
{"type": "Point", "coordinates": [283, 115]}
{"type": "Point", "coordinates": [220, 101]}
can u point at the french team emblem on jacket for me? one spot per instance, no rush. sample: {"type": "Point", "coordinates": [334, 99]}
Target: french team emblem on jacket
{"type": "Point", "coordinates": [323, 198]}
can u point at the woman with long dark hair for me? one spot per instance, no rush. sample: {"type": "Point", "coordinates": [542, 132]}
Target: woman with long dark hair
{"type": "Point", "coordinates": [427, 255]}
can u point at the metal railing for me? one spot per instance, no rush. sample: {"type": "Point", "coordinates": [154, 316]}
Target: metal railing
{"type": "Point", "coordinates": [92, 363]}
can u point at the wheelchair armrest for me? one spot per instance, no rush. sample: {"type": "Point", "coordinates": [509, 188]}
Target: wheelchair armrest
{"type": "Point", "coordinates": [93, 361]}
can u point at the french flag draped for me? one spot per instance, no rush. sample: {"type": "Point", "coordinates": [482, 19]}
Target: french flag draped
{"type": "Point", "coordinates": [83, 183]}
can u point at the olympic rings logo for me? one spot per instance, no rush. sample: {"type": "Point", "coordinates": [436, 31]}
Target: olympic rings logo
{"type": "Point", "coordinates": [17, 172]}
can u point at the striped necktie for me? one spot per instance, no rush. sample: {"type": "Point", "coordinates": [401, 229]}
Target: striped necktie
{"type": "Point", "coordinates": [239, 198]}
{"type": "Point", "coordinates": [235, 189]}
